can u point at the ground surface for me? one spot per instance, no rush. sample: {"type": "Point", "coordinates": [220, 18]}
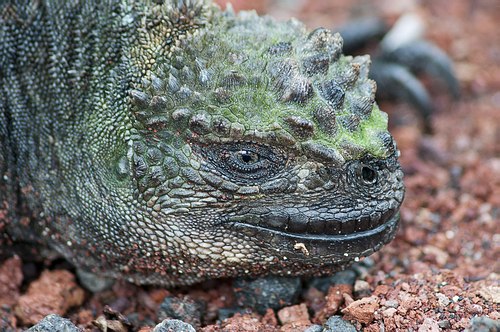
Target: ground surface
{"type": "Point", "coordinates": [440, 271]}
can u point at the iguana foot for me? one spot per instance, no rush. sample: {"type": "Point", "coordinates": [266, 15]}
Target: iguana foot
{"type": "Point", "coordinates": [401, 57]}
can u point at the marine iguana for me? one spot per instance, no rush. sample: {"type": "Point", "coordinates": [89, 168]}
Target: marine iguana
{"type": "Point", "coordinates": [170, 142]}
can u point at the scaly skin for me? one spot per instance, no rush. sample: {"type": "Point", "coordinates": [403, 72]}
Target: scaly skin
{"type": "Point", "coordinates": [170, 144]}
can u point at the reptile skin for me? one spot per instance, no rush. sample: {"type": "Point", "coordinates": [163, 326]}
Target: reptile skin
{"type": "Point", "coordinates": [170, 143]}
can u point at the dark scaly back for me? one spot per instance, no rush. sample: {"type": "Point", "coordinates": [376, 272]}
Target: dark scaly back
{"type": "Point", "coordinates": [65, 71]}
{"type": "Point", "coordinates": [51, 66]}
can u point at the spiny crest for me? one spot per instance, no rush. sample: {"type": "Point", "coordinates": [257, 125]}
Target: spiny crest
{"type": "Point", "coordinates": [162, 27]}
{"type": "Point", "coordinates": [245, 75]}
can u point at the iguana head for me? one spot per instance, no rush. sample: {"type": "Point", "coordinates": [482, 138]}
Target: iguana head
{"type": "Point", "coordinates": [256, 147]}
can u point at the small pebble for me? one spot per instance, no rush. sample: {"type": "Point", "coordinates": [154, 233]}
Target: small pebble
{"type": "Point", "coordinates": [444, 324]}
{"type": "Point", "coordinates": [337, 324]}
{"type": "Point", "coordinates": [391, 303]}
{"type": "Point", "coordinates": [443, 300]}
{"type": "Point", "coordinates": [389, 312]}
{"type": "Point", "coordinates": [335, 298]}
{"type": "Point", "coordinates": [173, 325]}
{"type": "Point", "coordinates": [362, 310]}
{"type": "Point", "coordinates": [53, 323]}
{"type": "Point", "coordinates": [292, 314]}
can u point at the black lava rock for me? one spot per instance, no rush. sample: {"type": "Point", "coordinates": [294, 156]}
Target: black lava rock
{"type": "Point", "coordinates": [270, 292]}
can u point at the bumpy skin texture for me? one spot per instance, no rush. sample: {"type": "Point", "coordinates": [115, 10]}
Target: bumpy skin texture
{"type": "Point", "coordinates": [172, 143]}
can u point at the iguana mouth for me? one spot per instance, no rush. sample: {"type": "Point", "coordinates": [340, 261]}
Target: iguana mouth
{"type": "Point", "coordinates": [339, 247]}
{"type": "Point", "coordinates": [323, 224]}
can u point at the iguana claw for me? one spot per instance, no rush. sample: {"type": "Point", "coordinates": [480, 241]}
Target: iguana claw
{"type": "Point", "coordinates": [396, 81]}
{"type": "Point", "coordinates": [422, 56]}
{"type": "Point", "coordinates": [401, 56]}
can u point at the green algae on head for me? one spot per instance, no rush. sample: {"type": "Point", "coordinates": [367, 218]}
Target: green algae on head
{"type": "Point", "coordinates": [268, 78]}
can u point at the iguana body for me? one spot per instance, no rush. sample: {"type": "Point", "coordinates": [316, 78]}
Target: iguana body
{"type": "Point", "coordinates": [170, 144]}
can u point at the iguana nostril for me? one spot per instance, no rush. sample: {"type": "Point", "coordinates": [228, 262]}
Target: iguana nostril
{"type": "Point", "coordinates": [368, 174]}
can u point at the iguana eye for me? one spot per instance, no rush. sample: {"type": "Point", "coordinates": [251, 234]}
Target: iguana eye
{"type": "Point", "coordinates": [247, 157]}
{"type": "Point", "coordinates": [245, 162]}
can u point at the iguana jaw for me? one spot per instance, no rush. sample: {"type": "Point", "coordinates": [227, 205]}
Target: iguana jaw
{"type": "Point", "coordinates": [313, 228]}
{"type": "Point", "coordinates": [339, 249]}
